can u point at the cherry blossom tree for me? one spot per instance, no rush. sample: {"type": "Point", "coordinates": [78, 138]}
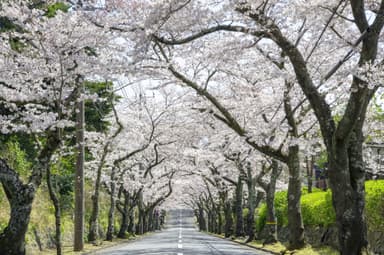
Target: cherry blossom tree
{"type": "Point", "coordinates": [44, 60]}
{"type": "Point", "coordinates": [343, 140]}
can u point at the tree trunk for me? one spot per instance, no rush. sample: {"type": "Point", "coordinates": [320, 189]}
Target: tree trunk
{"type": "Point", "coordinates": [157, 219]}
{"type": "Point", "coordinates": [145, 221]}
{"type": "Point", "coordinates": [310, 162]}
{"type": "Point", "coordinates": [20, 198]}
{"type": "Point", "coordinates": [219, 220]}
{"type": "Point", "coordinates": [251, 184]}
{"type": "Point", "coordinates": [124, 215]}
{"type": "Point", "coordinates": [56, 204]}
{"type": "Point", "coordinates": [150, 219]}
{"type": "Point", "coordinates": [210, 223]}
{"type": "Point", "coordinates": [347, 181]}
{"type": "Point", "coordinates": [79, 179]}
{"type": "Point", "coordinates": [93, 234]}
{"type": "Point", "coordinates": [295, 221]}
{"type": "Point", "coordinates": [131, 215]}
{"type": "Point", "coordinates": [228, 229]}
{"type": "Point", "coordinates": [271, 224]}
{"type": "Point", "coordinates": [238, 209]}
{"type": "Point", "coordinates": [111, 213]}
{"type": "Point", "coordinates": [202, 222]}
{"type": "Point", "coordinates": [140, 224]}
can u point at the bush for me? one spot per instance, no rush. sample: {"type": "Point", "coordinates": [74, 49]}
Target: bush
{"type": "Point", "coordinates": [317, 209]}
{"type": "Point", "coordinates": [281, 210]}
{"type": "Point", "coordinates": [374, 206]}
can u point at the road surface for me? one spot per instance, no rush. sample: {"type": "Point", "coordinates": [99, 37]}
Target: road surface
{"type": "Point", "coordinates": [180, 238]}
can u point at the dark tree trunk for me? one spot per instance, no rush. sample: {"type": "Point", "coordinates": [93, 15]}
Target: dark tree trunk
{"type": "Point", "coordinates": [56, 204]}
{"type": "Point", "coordinates": [295, 221]}
{"type": "Point", "coordinates": [145, 221]}
{"type": "Point", "coordinates": [270, 188]}
{"type": "Point", "coordinates": [347, 177]}
{"type": "Point", "coordinates": [150, 219]}
{"type": "Point", "coordinates": [20, 198]}
{"type": "Point", "coordinates": [238, 209]}
{"type": "Point", "coordinates": [251, 184]}
{"type": "Point", "coordinates": [208, 212]}
{"type": "Point", "coordinates": [140, 224]}
{"type": "Point", "coordinates": [202, 222]}
{"type": "Point", "coordinates": [310, 162]}
{"type": "Point", "coordinates": [93, 234]}
{"type": "Point", "coordinates": [124, 215]}
{"type": "Point", "coordinates": [38, 239]}
{"type": "Point", "coordinates": [214, 220]}
{"type": "Point", "coordinates": [228, 229]}
{"type": "Point", "coordinates": [112, 206]}
{"type": "Point", "coordinates": [131, 226]}
{"type": "Point", "coordinates": [219, 220]}
{"type": "Point", "coordinates": [157, 220]}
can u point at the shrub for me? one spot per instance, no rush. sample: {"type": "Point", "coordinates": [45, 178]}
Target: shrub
{"type": "Point", "coordinates": [374, 206]}
{"type": "Point", "coordinates": [317, 209]}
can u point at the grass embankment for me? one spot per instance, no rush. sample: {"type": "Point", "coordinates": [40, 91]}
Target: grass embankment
{"type": "Point", "coordinates": [317, 209]}
{"type": "Point", "coordinates": [280, 248]}
{"type": "Point", "coordinates": [42, 223]}
{"type": "Point", "coordinates": [88, 248]}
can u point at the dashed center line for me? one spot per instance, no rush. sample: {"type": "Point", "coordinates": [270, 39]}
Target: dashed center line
{"type": "Point", "coordinates": [180, 245]}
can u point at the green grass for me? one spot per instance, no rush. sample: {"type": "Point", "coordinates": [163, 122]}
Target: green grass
{"type": "Point", "coordinates": [87, 248]}
{"type": "Point", "coordinates": [317, 209]}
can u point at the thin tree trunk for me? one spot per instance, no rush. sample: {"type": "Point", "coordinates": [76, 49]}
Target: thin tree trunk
{"type": "Point", "coordinates": [124, 216]}
{"type": "Point", "coordinates": [238, 209]}
{"type": "Point", "coordinates": [37, 238]}
{"type": "Point", "coordinates": [157, 219]}
{"type": "Point", "coordinates": [93, 234]}
{"type": "Point", "coordinates": [219, 219]}
{"type": "Point", "coordinates": [131, 216]}
{"type": "Point", "coordinates": [111, 213]}
{"type": "Point", "coordinates": [79, 180]}
{"type": "Point", "coordinates": [56, 204]}
{"type": "Point", "coordinates": [271, 217]}
{"type": "Point", "coordinates": [251, 184]}
{"type": "Point", "coordinates": [140, 224]}
{"type": "Point", "coordinates": [310, 162]}
{"type": "Point", "coordinates": [228, 229]}
{"type": "Point", "coordinates": [202, 222]}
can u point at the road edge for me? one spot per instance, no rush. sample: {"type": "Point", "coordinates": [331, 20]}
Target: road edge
{"type": "Point", "coordinates": [243, 244]}
{"type": "Point", "coordinates": [124, 242]}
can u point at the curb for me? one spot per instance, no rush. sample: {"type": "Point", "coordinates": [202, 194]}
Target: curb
{"type": "Point", "coordinates": [244, 244]}
{"type": "Point", "coordinates": [96, 251]}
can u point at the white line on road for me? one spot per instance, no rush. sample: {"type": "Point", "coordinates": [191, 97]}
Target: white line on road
{"type": "Point", "coordinates": [179, 253]}
{"type": "Point", "coordinates": [180, 246]}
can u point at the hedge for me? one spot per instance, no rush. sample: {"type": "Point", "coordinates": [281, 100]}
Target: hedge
{"type": "Point", "coordinates": [317, 208]}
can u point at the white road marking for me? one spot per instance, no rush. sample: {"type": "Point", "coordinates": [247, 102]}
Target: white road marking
{"type": "Point", "coordinates": [180, 246]}
{"type": "Point", "coordinates": [180, 241]}
{"type": "Point", "coordinates": [179, 253]}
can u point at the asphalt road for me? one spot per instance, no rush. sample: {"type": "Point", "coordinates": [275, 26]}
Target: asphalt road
{"type": "Point", "coordinates": [180, 238]}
